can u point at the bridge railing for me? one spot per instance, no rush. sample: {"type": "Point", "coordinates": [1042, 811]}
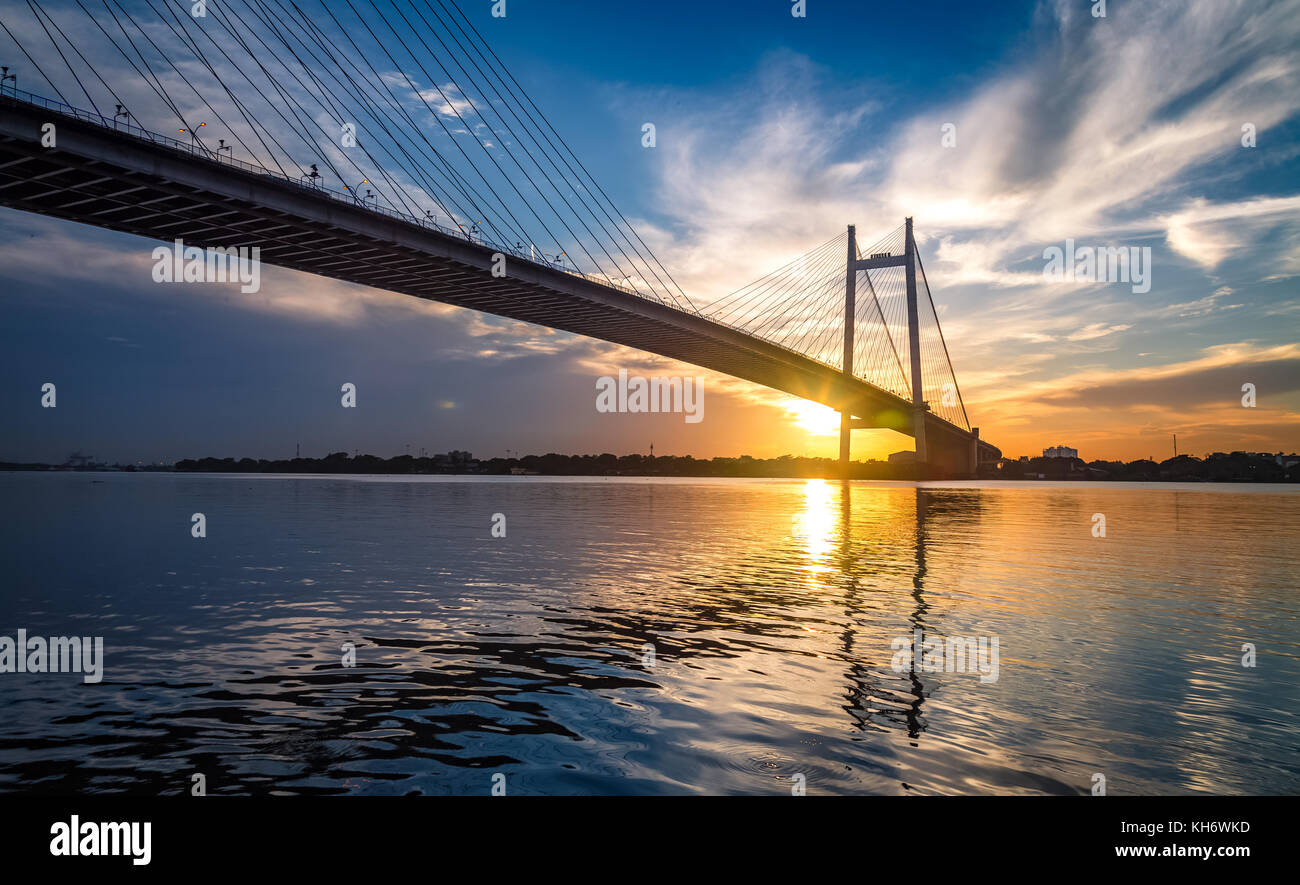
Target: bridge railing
{"type": "Point", "coordinates": [196, 148]}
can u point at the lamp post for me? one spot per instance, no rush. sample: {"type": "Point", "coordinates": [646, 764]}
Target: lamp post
{"type": "Point", "coordinates": [194, 135]}
{"type": "Point", "coordinates": [356, 198]}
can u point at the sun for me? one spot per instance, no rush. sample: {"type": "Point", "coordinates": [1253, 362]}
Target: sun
{"type": "Point", "coordinates": [813, 417]}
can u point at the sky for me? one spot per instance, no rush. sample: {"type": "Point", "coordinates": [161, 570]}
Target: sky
{"type": "Point", "coordinates": [1004, 130]}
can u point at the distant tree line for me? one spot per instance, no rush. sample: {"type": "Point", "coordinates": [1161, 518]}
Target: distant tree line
{"type": "Point", "coordinates": [1220, 467]}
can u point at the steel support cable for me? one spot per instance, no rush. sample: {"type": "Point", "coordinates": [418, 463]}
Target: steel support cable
{"type": "Point", "coordinates": [888, 287]}
{"type": "Point", "coordinates": [825, 338]}
{"type": "Point", "coordinates": [239, 105]}
{"type": "Point", "coordinates": [379, 115]}
{"type": "Point", "coordinates": [300, 113]}
{"type": "Point", "coordinates": [776, 315]}
{"type": "Point", "coordinates": [932, 377]}
{"type": "Point", "coordinates": [875, 302]}
{"type": "Point", "coordinates": [438, 117]}
{"type": "Point", "coordinates": [381, 120]}
{"type": "Point", "coordinates": [546, 154]}
{"type": "Point", "coordinates": [809, 330]}
{"type": "Point", "coordinates": [881, 314]}
{"type": "Point", "coordinates": [750, 310]}
{"type": "Point", "coordinates": [181, 74]}
{"type": "Point", "coordinates": [830, 341]}
{"type": "Point", "coordinates": [788, 303]}
{"type": "Point", "coordinates": [866, 340]}
{"type": "Point", "coordinates": [409, 204]}
{"type": "Point", "coordinates": [828, 301]}
{"type": "Point", "coordinates": [38, 15]}
{"type": "Point", "coordinates": [39, 69]}
{"type": "Point", "coordinates": [757, 301]}
{"type": "Point", "coordinates": [870, 340]}
{"type": "Point", "coordinates": [960, 400]}
{"type": "Point", "coordinates": [484, 213]}
{"type": "Point", "coordinates": [223, 18]}
{"type": "Point", "coordinates": [66, 63]}
{"type": "Point", "coordinates": [86, 61]}
{"type": "Point", "coordinates": [896, 298]}
{"type": "Point", "coordinates": [474, 85]}
{"type": "Point", "coordinates": [745, 294]}
{"type": "Point", "coordinates": [497, 139]}
{"type": "Point", "coordinates": [167, 102]}
{"type": "Point", "coordinates": [515, 230]}
{"type": "Point", "coordinates": [755, 309]}
{"type": "Point", "coordinates": [803, 331]}
{"type": "Point", "coordinates": [257, 126]}
{"type": "Point", "coordinates": [561, 140]}
{"type": "Point", "coordinates": [718, 302]}
{"type": "Point", "coordinates": [794, 302]}
{"type": "Point", "coordinates": [152, 76]}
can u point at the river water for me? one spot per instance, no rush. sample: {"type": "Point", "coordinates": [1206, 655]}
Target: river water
{"type": "Point", "coordinates": [639, 636]}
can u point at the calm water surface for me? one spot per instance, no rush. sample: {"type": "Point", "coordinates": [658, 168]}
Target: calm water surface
{"type": "Point", "coordinates": [770, 607]}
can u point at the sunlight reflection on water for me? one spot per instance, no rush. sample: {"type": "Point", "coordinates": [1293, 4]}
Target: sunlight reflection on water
{"type": "Point", "coordinates": [770, 607]}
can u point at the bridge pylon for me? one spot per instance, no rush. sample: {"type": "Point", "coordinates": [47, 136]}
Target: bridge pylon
{"type": "Point", "coordinates": [908, 261]}
{"type": "Point", "coordinates": [850, 309]}
{"type": "Point", "coordinates": [919, 407]}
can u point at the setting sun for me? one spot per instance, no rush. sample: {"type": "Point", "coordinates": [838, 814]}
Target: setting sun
{"type": "Point", "coordinates": [814, 417]}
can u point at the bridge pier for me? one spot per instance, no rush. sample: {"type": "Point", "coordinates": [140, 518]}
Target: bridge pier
{"type": "Point", "coordinates": [846, 435]}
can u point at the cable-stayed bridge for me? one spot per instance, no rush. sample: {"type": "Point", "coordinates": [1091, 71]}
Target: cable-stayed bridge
{"type": "Point", "coordinates": [434, 175]}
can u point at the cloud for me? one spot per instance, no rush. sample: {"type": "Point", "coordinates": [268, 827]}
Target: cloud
{"type": "Point", "coordinates": [1209, 381]}
{"type": "Point", "coordinates": [1068, 145]}
{"type": "Point", "coordinates": [1208, 233]}
{"type": "Point", "coordinates": [1097, 330]}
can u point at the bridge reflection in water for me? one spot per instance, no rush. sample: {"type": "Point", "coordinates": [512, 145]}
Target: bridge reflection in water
{"type": "Point", "coordinates": [649, 636]}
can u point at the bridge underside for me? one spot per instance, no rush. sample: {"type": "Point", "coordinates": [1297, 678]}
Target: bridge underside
{"type": "Point", "coordinates": [112, 180]}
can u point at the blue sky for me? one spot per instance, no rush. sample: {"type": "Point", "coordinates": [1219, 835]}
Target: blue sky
{"type": "Point", "coordinates": [772, 134]}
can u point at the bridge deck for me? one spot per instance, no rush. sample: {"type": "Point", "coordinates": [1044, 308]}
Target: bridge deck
{"type": "Point", "coordinates": [116, 180]}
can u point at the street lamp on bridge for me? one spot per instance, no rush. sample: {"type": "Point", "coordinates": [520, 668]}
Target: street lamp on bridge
{"type": "Point", "coordinates": [194, 135]}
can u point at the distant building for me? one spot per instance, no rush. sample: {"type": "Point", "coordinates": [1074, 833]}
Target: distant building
{"type": "Point", "coordinates": [903, 458]}
{"type": "Point", "coordinates": [1060, 452]}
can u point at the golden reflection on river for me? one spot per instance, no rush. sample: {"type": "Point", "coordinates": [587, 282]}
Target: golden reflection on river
{"type": "Point", "coordinates": [654, 636]}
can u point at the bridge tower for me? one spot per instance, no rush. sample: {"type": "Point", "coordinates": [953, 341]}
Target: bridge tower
{"type": "Point", "coordinates": [919, 407]}
{"type": "Point", "coordinates": [850, 307]}
{"type": "Point", "coordinates": [914, 346]}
